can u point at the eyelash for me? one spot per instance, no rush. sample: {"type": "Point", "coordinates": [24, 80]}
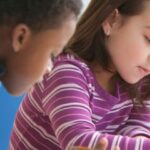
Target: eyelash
{"type": "Point", "coordinates": [147, 39]}
{"type": "Point", "coordinates": [52, 56]}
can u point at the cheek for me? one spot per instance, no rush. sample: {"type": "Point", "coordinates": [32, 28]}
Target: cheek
{"type": "Point", "coordinates": [127, 49]}
{"type": "Point", "coordinates": [137, 51]}
{"type": "Point", "coordinates": [37, 64]}
{"type": "Point", "coordinates": [44, 63]}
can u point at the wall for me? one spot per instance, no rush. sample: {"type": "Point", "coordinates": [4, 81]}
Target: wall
{"type": "Point", "coordinates": [9, 106]}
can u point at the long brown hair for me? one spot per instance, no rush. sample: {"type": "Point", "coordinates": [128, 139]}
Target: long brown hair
{"type": "Point", "coordinates": [88, 41]}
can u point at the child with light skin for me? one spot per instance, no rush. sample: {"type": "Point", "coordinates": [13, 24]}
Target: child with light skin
{"type": "Point", "coordinates": [98, 87]}
{"type": "Point", "coordinates": [30, 32]}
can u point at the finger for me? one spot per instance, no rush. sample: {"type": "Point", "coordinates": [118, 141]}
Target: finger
{"type": "Point", "coordinates": [80, 148]}
{"type": "Point", "coordinates": [102, 145]}
{"type": "Point", "coordinates": [116, 148]}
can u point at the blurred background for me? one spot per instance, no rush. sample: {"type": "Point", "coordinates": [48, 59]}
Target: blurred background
{"type": "Point", "coordinates": [9, 105]}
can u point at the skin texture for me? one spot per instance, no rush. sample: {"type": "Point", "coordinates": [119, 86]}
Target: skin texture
{"type": "Point", "coordinates": [26, 54]}
{"type": "Point", "coordinates": [128, 45]}
{"type": "Point", "coordinates": [102, 145]}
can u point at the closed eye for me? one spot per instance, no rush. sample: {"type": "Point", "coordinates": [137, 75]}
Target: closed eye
{"type": "Point", "coordinates": [52, 57]}
{"type": "Point", "coordinates": [147, 39]}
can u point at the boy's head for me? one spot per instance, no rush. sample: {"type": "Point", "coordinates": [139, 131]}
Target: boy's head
{"type": "Point", "coordinates": [30, 32]}
{"type": "Point", "coordinates": [37, 14]}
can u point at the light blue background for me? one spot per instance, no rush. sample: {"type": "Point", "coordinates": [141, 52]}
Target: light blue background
{"type": "Point", "coordinates": [8, 107]}
{"type": "Point", "coordinates": [85, 3]}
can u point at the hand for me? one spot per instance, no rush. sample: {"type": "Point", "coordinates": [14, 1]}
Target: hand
{"type": "Point", "coordinates": [102, 145]}
{"type": "Point", "coordinates": [140, 136]}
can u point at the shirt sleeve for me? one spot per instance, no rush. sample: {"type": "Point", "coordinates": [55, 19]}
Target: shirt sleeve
{"type": "Point", "coordinates": [138, 123]}
{"type": "Point", "coordinates": [66, 101]}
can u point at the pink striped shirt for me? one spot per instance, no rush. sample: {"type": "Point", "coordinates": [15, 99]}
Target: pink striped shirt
{"type": "Point", "coordinates": [69, 108]}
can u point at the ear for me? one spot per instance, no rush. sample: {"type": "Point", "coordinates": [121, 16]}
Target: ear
{"type": "Point", "coordinates": [20, 36]}
{"type": "Point", "coordinates": [109, 22]}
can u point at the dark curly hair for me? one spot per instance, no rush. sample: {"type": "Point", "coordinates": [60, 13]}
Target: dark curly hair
{"type": "Point", "coordinates": [38, 14]}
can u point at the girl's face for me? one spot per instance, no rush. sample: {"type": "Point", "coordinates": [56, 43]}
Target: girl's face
{"type": "Point", "coordinates": [129, 47]}
{"type": "Point", "coordinates": [28, 65]}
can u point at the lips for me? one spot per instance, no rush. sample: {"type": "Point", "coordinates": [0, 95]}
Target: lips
{"type": "Point", "coordinates": [143, 70]}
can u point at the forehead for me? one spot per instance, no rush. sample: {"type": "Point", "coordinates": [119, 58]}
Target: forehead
{"type": "Point", "coordinates": [142, 18]}
{"type": "Point", "coordinates": [145, 14]}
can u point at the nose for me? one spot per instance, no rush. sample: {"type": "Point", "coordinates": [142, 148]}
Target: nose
{"type": "Point", "coordinates": [148, 60]}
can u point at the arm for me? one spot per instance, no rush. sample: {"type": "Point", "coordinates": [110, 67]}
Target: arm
{"type": "Point", "coordinates": [68, 106]}
{"type": "Point", "coordinates": [138, 123]}
{"type": "Point", "coordinates": [102, 145]}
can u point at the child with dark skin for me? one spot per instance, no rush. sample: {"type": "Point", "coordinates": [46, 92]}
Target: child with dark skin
{"type": "Point", "coordinates": [31, 31]}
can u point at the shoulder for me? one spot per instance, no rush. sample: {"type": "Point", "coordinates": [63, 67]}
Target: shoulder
{"type": "Point", "coordinates": [71, 60]}
{"type": "Point", "coordinates": [67, 64]}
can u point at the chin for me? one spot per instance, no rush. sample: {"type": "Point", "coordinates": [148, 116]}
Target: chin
{"type": "Point", "coordinates": [133, 81]}
{"type": "Point", "coordinates": [16, 85]}
{"type": "Point", "coordinates": [16, 90]}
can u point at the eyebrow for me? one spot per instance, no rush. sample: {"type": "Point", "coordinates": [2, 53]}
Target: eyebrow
{"type": "Point", "coordinates": [148, 27]}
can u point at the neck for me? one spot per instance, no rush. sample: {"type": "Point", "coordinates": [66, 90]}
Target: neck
{"type": "Point", "coordinates": [104, 78]}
